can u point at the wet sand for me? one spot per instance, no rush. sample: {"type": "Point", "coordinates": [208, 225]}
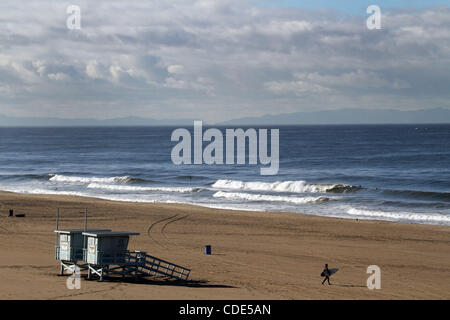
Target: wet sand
{"type": "Point", "coordinates": [256, 255]}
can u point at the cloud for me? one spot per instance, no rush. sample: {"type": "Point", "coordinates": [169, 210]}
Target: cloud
{"type": "Point", "coordinates": [218, 59]}
{"type": "Point", "coordinates": [199, 84]}
{"type": "Point", "coordinates": [298, 87]}
{"type": "Point", "coordinates": [39, 66]}
{"type": "Point", "coordinates": [93, 70]}
{"type": "Point", "coordinates": [59, 76]}
{"type": "Point", "coordinates": [175, 69]}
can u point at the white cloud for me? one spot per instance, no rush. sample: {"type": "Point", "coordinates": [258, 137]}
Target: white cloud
{"type": "Point", "coordinates": [175, 69]}
{"type": "Point", "coordinates": [27, 75]}
{"type": "Point", "coordinates": [352, 79]}
{"type": "Point", "coordinates": [59, 76]}
{"type": "Point", "coordinates": [222, 59]}
{"type": "Point", "coordinates": [93, 70]}
{"type": "Point", "coordinates": [298, 87]}
{"type": "Point", "coordinates": [39, 66]}
{"type": "Point", "coordinates": [199, 84]}
{"type": "Point", "coordinates": [115, 72]}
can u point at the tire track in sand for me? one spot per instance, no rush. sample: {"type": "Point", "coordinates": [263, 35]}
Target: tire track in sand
{"type": "Point", "coordinates": [3, 228]}
{"type": "Point", "coordinates": [163, 229]}
{"type": "Point", "coordinates": [149, 229]}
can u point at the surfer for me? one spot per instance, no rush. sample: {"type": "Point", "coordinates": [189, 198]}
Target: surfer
{"type": "Point", "coordinates": [326, 273]}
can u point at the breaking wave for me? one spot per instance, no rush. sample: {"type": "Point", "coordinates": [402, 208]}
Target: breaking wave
{"type": "Point", "coordinates": [299, 186]}
{"type": "Point", "coordinates": [269, 198]}
{"type": "Point", "coordinates": [113, 187]}
{"type": "Point", "coordinates": [399, 216]}
{"type": "Point", "coordinates": [31, 190]}
{"type": "Point", "coordinates": [75, 179]}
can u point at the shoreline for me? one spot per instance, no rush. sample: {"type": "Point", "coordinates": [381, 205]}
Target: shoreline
{"type": "Point", "coordinates": [256, 255]}
{"type": "Point", "coordinates": [224, 208]}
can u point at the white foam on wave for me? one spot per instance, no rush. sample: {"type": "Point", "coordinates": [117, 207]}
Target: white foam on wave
{"type": "Point", "coordinates": [75, 179]}
{"type": "Point", "coordinates": [399, 216]}
{"type": "Point", "coordinates": [113, 187]}
{"type": "Point", "coordinates": [270, 198]}
{"type": "Point", "coordinates": [298, 186]}
{"type": "Point", "coordinates": [32, 190]}
{"type": "Point", "coordinates": [228, 207]}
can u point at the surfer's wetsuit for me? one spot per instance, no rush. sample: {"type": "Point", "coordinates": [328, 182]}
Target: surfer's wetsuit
{"type": "Point", "coordinates": [326, 274]}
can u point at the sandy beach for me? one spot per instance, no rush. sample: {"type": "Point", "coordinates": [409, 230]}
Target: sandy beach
{"type": "Point", "coordinates": [256, 255]}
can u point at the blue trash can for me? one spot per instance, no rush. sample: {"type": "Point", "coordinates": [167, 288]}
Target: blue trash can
{"type": "Point", "coordinates": [208, 249]}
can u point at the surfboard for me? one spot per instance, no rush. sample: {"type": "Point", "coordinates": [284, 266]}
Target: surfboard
{"type": "Point", "coordinates": [332, 271]}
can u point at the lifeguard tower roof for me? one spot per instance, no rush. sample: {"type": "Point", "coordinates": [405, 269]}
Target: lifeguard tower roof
{"type": "Point", "coordinates": [72, 231]}
{"type": "Point", "coordinates": [99, 234]}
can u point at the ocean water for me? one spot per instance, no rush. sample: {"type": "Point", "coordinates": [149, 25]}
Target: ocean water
{"type": "Point", "coordinates": [386, 172]}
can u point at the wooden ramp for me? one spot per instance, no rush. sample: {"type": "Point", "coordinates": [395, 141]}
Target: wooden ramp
{"type": "Point", "coordinates": [148, 265]}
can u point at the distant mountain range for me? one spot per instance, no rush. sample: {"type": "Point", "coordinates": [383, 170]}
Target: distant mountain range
{"type": "Point", "coordinates": [341, 116]}
{"type": "Point", "coordinates": [349, 116]}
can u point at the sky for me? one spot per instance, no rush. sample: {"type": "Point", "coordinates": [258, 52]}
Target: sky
{"type": "Point", "coordinates": [356, 7]}
{"type": "Point", "coordinates": [219, 60]}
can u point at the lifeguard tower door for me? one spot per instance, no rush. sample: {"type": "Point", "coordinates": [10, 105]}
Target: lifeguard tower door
{"type": "Point", "coordinates": [64, 245]}
{"type": "Point", "coordinates": [92, 250]}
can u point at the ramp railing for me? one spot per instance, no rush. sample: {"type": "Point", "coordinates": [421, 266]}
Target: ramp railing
{"type": "Point", "coordinates": [152, 266]}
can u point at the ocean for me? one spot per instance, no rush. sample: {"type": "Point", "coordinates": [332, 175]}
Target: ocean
{"type": "Point", "coordinates": [383, 172]}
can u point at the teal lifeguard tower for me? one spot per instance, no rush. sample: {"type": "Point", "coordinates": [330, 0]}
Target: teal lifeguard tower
{"type": "Point", "coordinates": [69, 249]}
{"type": "Point", "coordinates": [69, 246]}
{"type": "Point", "coordinates": [103, 252]}
{"type": "Point", "coordinates": [107, 247]}
{"type": "Point", "coordinates": [107, 253]}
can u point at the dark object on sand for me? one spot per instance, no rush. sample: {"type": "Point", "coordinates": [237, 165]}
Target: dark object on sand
{"type": "Point", "coordinates": [11, 212]}
{"type": "Point", "coordinates": [327, 274]}
{"type": "Point", "coordinates": [208, 249]}
{"type": "Point", "coordinates": [22, 215]}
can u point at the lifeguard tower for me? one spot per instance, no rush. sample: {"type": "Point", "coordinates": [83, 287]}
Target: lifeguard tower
{"type": "Point", "coordinates": [107, 253]}
{"type": "Point", "coordinates": [103, 252]}
{"type": "Point", "coordinates": [69, 246]}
